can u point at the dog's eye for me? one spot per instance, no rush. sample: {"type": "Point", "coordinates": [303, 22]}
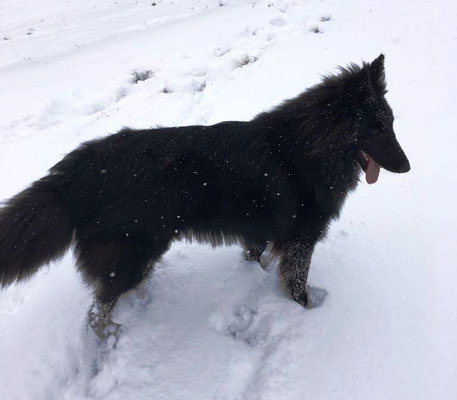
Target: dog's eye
{"type": "Point", "coordinates": [375, 129]}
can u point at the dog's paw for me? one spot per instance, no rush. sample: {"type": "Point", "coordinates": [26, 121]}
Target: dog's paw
{"type": "Point", "coordinates": [312, 297]}
{"type": "Point", "coordinates": [249, 255]}
{"type": "Point", "coordinates": [252, 254]}
{"type": "Point", "coordinates": [103, 326]}
{"type": "Point", "coordinates": [301, 298]}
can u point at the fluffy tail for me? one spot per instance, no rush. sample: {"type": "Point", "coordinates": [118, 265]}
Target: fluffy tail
{"type": "Point", "coordinates": [35, 228]}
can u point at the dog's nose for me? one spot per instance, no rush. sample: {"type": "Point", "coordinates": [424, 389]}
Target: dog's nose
{"type": "Point", "coordinates": [404, 166]}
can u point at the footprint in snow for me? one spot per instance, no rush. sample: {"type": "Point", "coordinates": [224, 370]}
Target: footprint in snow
{"type": "Point", "coordinates": [221, 51]}
{"type": "Point", "coordinates": [244, 324]}
{"type": "Point", "coordinates": [141, 76]}
{"type": "Point", "coordinates": [278, 21]}
{"type": "Point", "coordinates": [316, 296]}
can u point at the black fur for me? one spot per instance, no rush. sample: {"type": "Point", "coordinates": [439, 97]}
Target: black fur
{"type": "Point", "coordinates": [279, 178]}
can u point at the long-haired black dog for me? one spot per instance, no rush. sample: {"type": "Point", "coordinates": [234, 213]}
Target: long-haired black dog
{"type": "Point", "coordinates": [279, 178]}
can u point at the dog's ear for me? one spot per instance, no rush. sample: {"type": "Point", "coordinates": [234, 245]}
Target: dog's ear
{"type": "Point", "coordinates": [360, 87]}
{"type": "Point", "coordinates": [377, 67]}
{"type": "Point", "coordinates": [377, 72]}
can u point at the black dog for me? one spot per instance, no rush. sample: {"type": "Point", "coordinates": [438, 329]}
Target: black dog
{"type": "Point", "coordinates": [280, 178]}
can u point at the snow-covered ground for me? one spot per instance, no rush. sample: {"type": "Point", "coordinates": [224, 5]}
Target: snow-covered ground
{"type": "Point", "coordinates": [208, 325]}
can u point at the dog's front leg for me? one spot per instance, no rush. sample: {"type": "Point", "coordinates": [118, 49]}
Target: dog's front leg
{"type": "Point", "coordinates": [294, 268]}
{"type": "Point", "coordinates": [253, 251]}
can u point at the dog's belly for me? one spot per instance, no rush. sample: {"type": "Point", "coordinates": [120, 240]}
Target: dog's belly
{"type": "Point", "coordinates": [218, 231]}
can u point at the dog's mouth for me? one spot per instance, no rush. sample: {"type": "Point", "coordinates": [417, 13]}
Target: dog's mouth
{"type": "Point", "coordinates": [374, 152]}
{"type": "Point", "coordinates": [369, 165]}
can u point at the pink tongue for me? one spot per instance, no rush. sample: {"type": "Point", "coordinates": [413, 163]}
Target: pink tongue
{"type": "Point", "coordinates": [372, 173]}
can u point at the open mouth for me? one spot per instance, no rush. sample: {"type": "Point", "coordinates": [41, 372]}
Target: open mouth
{"type": "Point", "coordinates": [387, 152]}
{"type": "Point", "coordinates": [369, 165]}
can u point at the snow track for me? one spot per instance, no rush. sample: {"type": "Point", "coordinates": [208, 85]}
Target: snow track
{"type": "Point", "coordinates": [208, 325]}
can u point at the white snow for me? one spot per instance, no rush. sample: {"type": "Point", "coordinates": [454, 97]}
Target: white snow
{"type": "Point", "coordinates": [208, 325]}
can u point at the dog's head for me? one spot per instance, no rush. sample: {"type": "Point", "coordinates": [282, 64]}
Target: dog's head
{"type": "Point", "coordinates": [375, 143]}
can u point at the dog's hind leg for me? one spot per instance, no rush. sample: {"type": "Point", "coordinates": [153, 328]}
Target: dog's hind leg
{"type": "Point", "coordinates": [294, 268]}
{"type": "Point", "coordinates": [115, 266]}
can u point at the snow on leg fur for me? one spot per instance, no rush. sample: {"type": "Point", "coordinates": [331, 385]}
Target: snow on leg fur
{"type": "Point", "coordinates": [100, 320]}
{"type": "Point", "coordinates": [294, 268]}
